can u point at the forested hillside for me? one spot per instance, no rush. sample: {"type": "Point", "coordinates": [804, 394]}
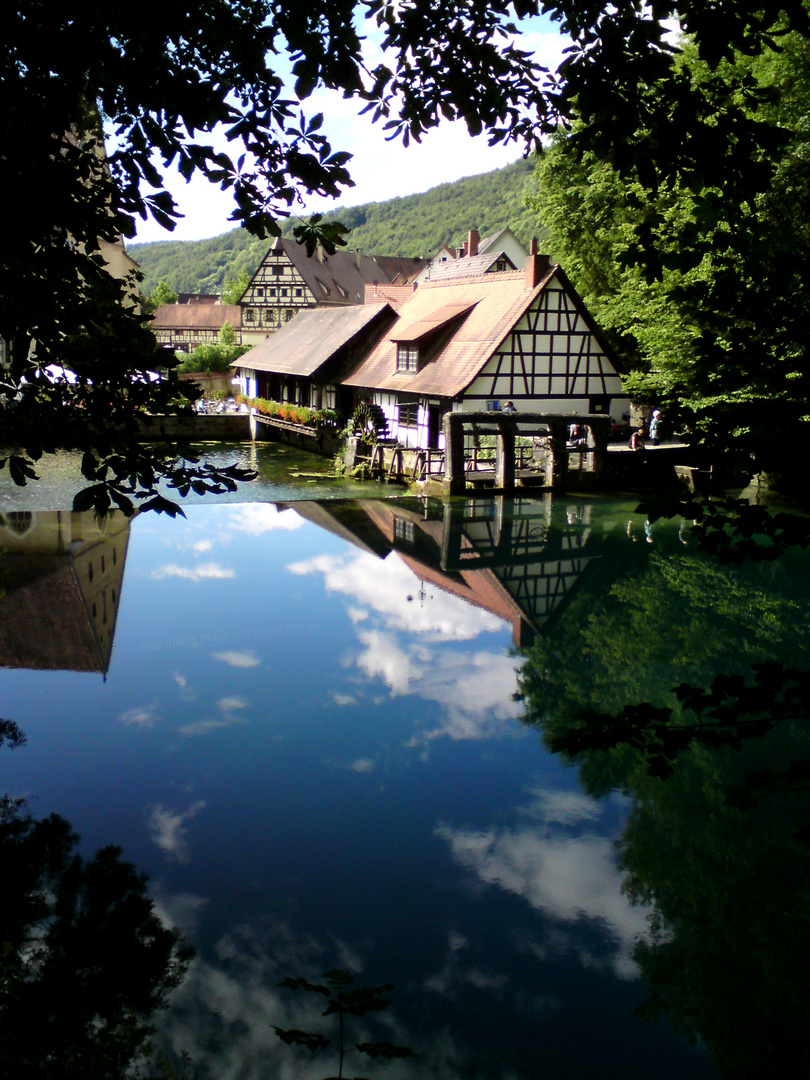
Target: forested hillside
{"type": "Point", "coordinates": [415, 225]}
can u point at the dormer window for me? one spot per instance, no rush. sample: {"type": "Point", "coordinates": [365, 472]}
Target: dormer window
{"type": "Point", "coordinates": [407, 356]}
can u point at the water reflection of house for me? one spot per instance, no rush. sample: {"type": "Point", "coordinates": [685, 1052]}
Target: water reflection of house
{"type": "Point", "coordinates": [519, 559]}
{"type": "Point", "coordinates": [60, 588]}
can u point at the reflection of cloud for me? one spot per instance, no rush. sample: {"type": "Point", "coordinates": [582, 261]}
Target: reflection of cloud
{"type": "Point", "coordinates": [186, 692]}
{"type": "Point", "coordinates": [231, 704]}
{"type": "Point", "coordinates": [229, 708]}
{"type": "Point", "coordinates": [384, 587]}
{"type": "Point", "coordinates": [179, 909]}
{"type": "Point", "coordinates": [455, 973]}
{"type": "Point", "coordinates": [224, 1012]}
{"type": "Point", "coordinates": [259, 518]}
{"type": "Point", "coordinates": [475, 691]}
{"type": "Point", "coordinates": [142, 716]}
{"type": "Point", "coordinates": [383, 658]}
{"type": "Point", "coordinates": [343, 699]}
{"type": "Point", "coordinates": [563, 807]}
{"type": "Point", "coordinates": [238, 659]}
{"type": "Point", "coordinates": [169, 832]}
{"type": "Point", "coordinates": [567, 879]}
{"type": "Point", "coordinates": [202, 572]}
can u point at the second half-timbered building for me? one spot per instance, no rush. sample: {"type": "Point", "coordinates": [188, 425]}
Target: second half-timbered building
{"type": "Point", "coordinates": [475, 344]}
{"type": "Point", "coordinates": [288, 281]}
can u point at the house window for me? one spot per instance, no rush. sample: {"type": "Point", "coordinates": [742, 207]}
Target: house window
{"type": "Point", "coordinates": [299, 293]}
{"type": "Point", "coordinates": [259, 294]}
{"type": "Point", "coordinates": [407, 356]}
{"type": "Point", "coordinates": [271, 293]}
{"type": "Point", "coordinates": [404, 530]}
{"type": "Point", "coordinates": [288, 314]}
{"type": "Point", "coordinates": [408, 414]}
{"type": "Point", "coordinates": [272, 315]}
{"type": "Point", "coordinates": [250, 315]}
{"type": "Point", "coordinates": [278, 270]}
{"type": "Point", "coordinates": [285, 292]}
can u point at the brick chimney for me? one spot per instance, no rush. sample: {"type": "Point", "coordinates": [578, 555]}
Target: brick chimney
{"type": "Point", "coordinates": [472, 243]}
{"type": "Point", "coordinates": [537, 266]}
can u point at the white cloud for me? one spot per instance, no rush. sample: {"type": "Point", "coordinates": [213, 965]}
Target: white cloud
{"type": "Point", "coordinates": [238, 659]}
{"type": "Point", "coordinates": [202, 572]}
{"type": "Point", "coordinates": [169, 832]}
{"type": "Point", "coordinates": [202, 546]}
{"type": "Point", "coordinates": [143, 716]}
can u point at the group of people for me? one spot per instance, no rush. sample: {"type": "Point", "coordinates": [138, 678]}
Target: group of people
{"type": "Point", "coordinates": [652, 432]}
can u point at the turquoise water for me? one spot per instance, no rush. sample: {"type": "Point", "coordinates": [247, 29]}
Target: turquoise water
{"type": "Point", "coordinates": [303, 725]}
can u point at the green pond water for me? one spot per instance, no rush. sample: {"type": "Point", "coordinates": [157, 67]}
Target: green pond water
{"type": "Point", "coordinates": [319, 722]}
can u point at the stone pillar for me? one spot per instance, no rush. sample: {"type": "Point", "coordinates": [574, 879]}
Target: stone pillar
{"type": "Point", "coordinates": [599, 431]}
{"type": "Point", "coordinates": [452, 530]}
{"type": "Point", "coordinates": [557, 461]}
{"type": "Point", "coordinates": [505, 453]}
{"type": "Point", "coordinates": [454, 479]}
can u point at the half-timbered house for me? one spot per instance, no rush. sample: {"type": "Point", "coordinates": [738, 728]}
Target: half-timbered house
{"type": "Point", "coordinates": [288, 281]}
{"type": "Point", "coordinates": [184, 326]}
{"type": "Point", "coordinates": [474, 344]}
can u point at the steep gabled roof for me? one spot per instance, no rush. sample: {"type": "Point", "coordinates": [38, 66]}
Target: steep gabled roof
{"type": "Point", "coordinates": [312, 338]}
{"type": "Point", "coordinates": [492, 242]}
{"type": "Point", "coordinates": [405, 268]}
{"type": "Point", "coordinates": [332, 279]}
{"type": "Point", "coordinates": [469, 266]}
{"type": "Point", "coordinates": [496, 304]}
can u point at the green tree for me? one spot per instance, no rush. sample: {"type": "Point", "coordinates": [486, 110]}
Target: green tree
{"type": "Point", "coordinates": [162, 293]}
{"type": "Point", "coordinates": [227, 335]}
{"type": "Point", "coordinates": [700, 284]}
{"type": "Point", "coordinates": [233, 288]}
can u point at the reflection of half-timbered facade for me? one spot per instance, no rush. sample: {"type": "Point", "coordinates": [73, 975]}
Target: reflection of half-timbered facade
{"type": "Point", "coordinates": [474, 344]}
{"type": "Point", "coordinates": [288, 281]}
{"type": "Point", "coordinates": [63, 576]}
{"type": "Point", "coordinates": [520, 559]}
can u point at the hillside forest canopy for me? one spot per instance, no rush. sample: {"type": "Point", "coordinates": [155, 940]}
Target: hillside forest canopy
{"type": "Point", "coordinates": [163, 80]}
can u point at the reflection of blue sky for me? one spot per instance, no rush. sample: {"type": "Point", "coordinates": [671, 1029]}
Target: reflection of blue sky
{"type": "Point", "coordinates": [252, 749]}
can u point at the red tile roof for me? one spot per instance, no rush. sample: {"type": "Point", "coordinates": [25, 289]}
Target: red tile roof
{"type": "Point", "coordinates": [202, 316]}
{"type": "Point", "coordinates": [497, 302]}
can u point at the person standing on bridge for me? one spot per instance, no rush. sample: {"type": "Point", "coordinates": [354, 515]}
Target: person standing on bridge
{"type": "Point", "coordinates": [509, 408]}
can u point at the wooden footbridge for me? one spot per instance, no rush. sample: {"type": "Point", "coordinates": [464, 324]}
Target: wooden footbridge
{"type": "Point", "coordinates": [502, 451]}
